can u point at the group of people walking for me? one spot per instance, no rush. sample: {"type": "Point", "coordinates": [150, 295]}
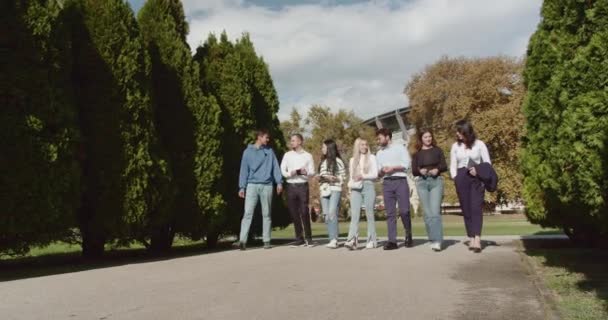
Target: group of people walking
{"type": "Point", "coordinates": [469, 168]}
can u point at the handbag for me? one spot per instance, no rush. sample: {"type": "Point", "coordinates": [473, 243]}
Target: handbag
{"type": "Point", "coordinates": [325, 190]}
{"type": "Point", "coordinates": [355, 185]}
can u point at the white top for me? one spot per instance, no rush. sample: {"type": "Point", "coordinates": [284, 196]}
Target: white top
{"type": "Point", "coordinates": [394, 155]}
{"type": "Point", "coordinates": [292, 161]}
{"type": "Point", "coordinates": [460, 155]}
{"type": "Point", "coordinates": [341, 174]}
{"type": "Point", "coordinates": [372, 173]}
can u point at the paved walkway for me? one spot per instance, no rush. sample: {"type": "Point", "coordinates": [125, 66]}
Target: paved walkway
{"type": "Point", "coordinates": [290, 283]}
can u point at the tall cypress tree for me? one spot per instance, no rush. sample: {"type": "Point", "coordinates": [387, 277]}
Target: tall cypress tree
{"type": "Point", "coordinates": [40, 178]}
{"type": "Point", "coordinates": [187, 120]}
{"type": "Point", "coordinates": [565, 161]}
{"type": "Point", "coordinates": [240, 82]}
{"type": "Point", "coordinates": [265, 104]}
{"type": "Point", "coordinates": [223, 75]}
{"type": "Point", "coordinates": [110, 79]}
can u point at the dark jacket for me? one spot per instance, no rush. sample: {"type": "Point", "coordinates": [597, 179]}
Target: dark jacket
{"type": "Point", "coordinates": [487, 175]}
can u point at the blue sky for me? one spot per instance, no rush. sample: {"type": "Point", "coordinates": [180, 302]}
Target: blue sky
{"type": "Point", "coordinates": [358, 54]}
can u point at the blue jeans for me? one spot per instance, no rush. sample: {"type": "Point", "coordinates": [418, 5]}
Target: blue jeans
{"type": "Point", "coordinates": [430, 191]}
{"type": "Point", "coordinates": [329, 206]}
{"type": "Point", "coordinates": [255, 192]}
{"type": "Point", "coordinates": [366, 195]}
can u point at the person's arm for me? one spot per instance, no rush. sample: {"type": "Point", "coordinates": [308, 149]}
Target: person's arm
{"type": "Point", "coordinates": [415, 168]}
{"type": "Point", "coordinates": [453, 162]}
{"type": "Point", "coordinates": [276, 170]}
{"type": "Point", "coordinates": [311, 166]}
{"type": "Point", "coordinates": [404, 161]}
{"type": "Point", "coordinates": [244, 172]}
{"type": "Point", "coordinates": [379, 163]}
{"type": "Point", "coordinates": [485, 154]}
{"type": "Point", "coordinates": [285, 167]}
{"type": "Point", "coordinates": [350, 169]}
{"type": "Point", "coordinates": [373, 169]}
{"type": "Point", "coordinates": [341, 171]}
{"type": "Point", "coordinates": [443, 167]}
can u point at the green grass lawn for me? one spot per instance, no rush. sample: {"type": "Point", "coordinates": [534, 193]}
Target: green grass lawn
{"type": "Point", "coordinates": [452, 226]}
{"type": "Point", "coordinates": [578, 278]}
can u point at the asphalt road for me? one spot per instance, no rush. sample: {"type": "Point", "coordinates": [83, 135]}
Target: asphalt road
{"type": "Point", "coordinates": [290, 283]}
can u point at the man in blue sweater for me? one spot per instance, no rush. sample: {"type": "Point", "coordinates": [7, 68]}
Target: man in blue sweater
{"type": "Point", "coordinates": [259, 170]}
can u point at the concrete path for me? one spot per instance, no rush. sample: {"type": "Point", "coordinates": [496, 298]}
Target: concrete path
{"type": "Point", "coordinates": [290, 283]}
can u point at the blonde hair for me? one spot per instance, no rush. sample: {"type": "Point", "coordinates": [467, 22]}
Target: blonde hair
{"type": "Point", "coordinates": [357, 157]}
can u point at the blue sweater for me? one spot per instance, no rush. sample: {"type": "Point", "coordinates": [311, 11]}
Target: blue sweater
{"type": "Point", "coordinates": [260, 166]}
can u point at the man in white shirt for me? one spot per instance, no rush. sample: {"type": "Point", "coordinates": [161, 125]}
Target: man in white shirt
{"type": "Point", "coordinates": [297, 167]}
{"type": "Point", "coordinates": [393, 162]}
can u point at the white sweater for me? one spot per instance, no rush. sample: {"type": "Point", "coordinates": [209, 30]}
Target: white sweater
{"type": "Point", "coordinates": [372, 173]}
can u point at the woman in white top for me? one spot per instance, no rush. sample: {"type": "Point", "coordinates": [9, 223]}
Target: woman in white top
{"type": "Point", "coordinates": [467, 152]}
{"type": "Point", "coordinates": [363, 170]}
{"type": "Point", "coordinates": [332, 173]}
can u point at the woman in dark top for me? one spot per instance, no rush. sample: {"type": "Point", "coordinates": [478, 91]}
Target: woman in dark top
{"type": "Point", "coordinates": [427, 165]}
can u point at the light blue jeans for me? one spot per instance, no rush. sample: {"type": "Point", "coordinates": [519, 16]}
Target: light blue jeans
{"type": "Point", "coordinates": [430, 191]}
{"type": "Point", "coordinates": [329, 206]}
{"type": "Point", "coordinates": [255, 192]}
{"type": "Point", "coordinates": [366, 196]}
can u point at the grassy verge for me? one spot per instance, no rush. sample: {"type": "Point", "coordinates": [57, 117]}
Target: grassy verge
{"type": "Point", "coordinates": [452, 226]}
{"type": "Point", "coordinates": [578, 278]}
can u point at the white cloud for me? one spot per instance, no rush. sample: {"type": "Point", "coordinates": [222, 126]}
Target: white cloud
{"type": "Point", "coordinates": [361, 55]}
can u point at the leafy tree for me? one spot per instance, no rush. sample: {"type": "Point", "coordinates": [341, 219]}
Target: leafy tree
{"type": "Point", "coordinates": [39, 185]}
{"type": "Point", "coordinates": [486, 91]}
{"type": "Point", "coordinates": [110, 80]}
{"type": "Point", "coordinates": [293, 125]}
{"type": "Point", "coordinates": [188, 124]}
{"type": "Point", "coordinates": [565, 160]}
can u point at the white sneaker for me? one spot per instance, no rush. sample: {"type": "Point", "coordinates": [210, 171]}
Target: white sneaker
{"type": "Point", "coordinates": [333, 244]}
{"type": "Point", "coordinates": [436, 246]}
{"type": "Point", "coordinates": [350, 244]}
{"type": "Point", "coordinates": [370, 245]}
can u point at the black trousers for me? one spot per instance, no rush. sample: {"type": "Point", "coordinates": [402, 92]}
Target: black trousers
{"type": "Point", "coordinates": [297, 201]}
{"type": "Point", "coordinates": [470, 192]}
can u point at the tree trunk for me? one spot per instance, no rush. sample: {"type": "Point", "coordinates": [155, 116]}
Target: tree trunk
{"type": "Point", "coordinates": [162, 240]}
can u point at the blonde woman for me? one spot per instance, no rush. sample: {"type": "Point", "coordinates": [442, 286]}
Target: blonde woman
{"type": "Point", "coordinates": [363, 172]}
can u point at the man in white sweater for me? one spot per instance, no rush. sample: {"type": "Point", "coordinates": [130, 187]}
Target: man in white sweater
{"type": "Point", "coordinates": [297, 167]}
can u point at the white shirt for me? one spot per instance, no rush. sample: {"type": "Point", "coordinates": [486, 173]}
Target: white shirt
{"type": "Point", "coordinates": [394, 155]}
{"type": "Point", "coordinates": [460, 155]}
{"type": "Point", "coordinates": [372, 172]}
{"type": "Point", "coordinates": [294, 160]}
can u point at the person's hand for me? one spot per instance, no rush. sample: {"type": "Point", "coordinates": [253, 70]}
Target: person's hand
{"type": "Point", "coordinates": [434, 172]}
{"type": "Point", "coordinates": [472, 171]}
{"type": "Point", "coordinates": [242, 194]}
{"type": "Point", "coordinates": [387, 170]}
{"type": "Point", "coordinates": [331, 178]}
{"type": "Point", "coordinates": [303, 172]}
{"type": "Point", "coordinates": [424, 171]}
{"type": "Point", "coordinates": [293, 173]}
{"type": "Point", "coordinates": [358, 177]}
{"type": "Point", "coordinates": [279, 189]}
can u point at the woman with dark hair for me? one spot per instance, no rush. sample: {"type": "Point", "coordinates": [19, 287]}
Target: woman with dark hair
{"type": "Point", "coordinates": [331, 176]}
{"type": "Point", "coordinates": [428, 163]}
{"type": "Point", "coordinates": [468, 152]}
